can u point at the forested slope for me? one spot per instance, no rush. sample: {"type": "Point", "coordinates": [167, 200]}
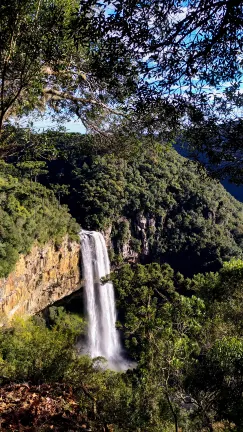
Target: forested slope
{"type": "Point", "coordinates": [28, 213]}
{"type": "Point", "coordinates": [191, 221]}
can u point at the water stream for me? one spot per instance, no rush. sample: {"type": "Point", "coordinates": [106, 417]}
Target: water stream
{"type": "Point", "coordinates": [102, 336]}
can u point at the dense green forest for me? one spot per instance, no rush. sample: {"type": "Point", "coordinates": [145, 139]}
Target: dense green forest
{"type": "Point", "coordinates": [29, 213]}
{"type": "Point", "coordinates": [192, 222]}
{"type": "Point", "coordinates": [182, 330]}
{"type": "Point", "coordinates": [185, 335]}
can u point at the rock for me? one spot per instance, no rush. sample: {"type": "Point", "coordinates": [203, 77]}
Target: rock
{"type": "Point", "coordinates": [128, 254]}
{"type": "Point", "coordinates": [107, 236]}
{"type": "Point", "coordinates": [44, 276]}
{"type": "Point", "coordinates": [139, 229]}
{"type": "Point", "coordinates": [145, 223]}
{"type": "Point", "coordinates": [151, 222]}
{"type": "Point", "coordinates": [142, 222]}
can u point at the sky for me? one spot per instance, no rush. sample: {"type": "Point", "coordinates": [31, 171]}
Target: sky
{"type": "Point", "coordinates": [42, 123]}
{"type": "Point", "coordinates": [70, 126]}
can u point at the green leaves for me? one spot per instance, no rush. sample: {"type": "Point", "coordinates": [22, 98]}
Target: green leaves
{"type": "Point", "coordinates": [31, 351]}
{"type": "Point", "coordinates": [190, 221]}
{"type": "Point", "coordinates": [29, 213]}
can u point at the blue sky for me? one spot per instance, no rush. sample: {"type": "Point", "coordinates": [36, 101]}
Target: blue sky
{"type": "Point", "coordinates": [70, 126]}
{"type": "Point", "coordinates": [42, 123]}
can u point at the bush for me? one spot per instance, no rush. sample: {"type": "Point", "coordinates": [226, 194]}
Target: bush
{"type": "Point", "coordinates": [29, 213]}
{"type": "Point", "coordinates": [32, 352]}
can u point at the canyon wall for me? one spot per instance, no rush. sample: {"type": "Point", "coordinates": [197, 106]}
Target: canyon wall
{"type": "Point", "coordinates": [47, 274]}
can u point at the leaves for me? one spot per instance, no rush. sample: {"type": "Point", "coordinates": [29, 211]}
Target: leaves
{"type": "Point", "coordinates": [29, 212]}
{"type": "Point", "coordinates": [190, 220]}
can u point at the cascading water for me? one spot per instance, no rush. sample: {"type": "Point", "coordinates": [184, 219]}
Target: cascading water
{"type": "Point", "coordinates": [103, 338]}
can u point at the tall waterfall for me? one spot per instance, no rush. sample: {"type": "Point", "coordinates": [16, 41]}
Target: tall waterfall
{"type": "Point", "coordinates": [103, 338]}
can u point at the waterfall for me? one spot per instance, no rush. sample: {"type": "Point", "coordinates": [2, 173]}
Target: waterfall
{"type": "Point", "coordinates": [102, 338]}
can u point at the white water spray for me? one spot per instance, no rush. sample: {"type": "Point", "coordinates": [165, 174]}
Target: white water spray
{"type": "Point", "coordinates": [103, 338]}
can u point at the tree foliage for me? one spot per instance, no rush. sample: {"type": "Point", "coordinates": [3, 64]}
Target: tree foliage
{"type": "Point", "coordinates": [188, 350]}
{"type": "Point", "coordinates": [191, 222]}
{"type": "Point", "coordinates": [125, 69]}
{"type": "Point", "coordinates": [204, 39]}
{"type": "Point", "coordinates": [216, 145]}
{"type": "Point", "coordinates": [187, 56]}
{"type": "Point", "coordinates": [29, 213]}
{"type": "Point", "coordinates": [41, 66]}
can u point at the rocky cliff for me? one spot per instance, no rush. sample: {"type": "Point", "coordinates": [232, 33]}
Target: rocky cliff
{"type": "Point", "coordinates": [131, 239]}
{"type": "Point", "coordinates": [47, 274]}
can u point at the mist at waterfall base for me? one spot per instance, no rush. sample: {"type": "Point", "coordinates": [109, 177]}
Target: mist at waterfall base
{"type": "Point", "coordinates": [102, 336]}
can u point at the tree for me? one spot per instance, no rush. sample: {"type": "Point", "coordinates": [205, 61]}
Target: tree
{"type": "Point", "coordinates": [189, 63]}
{"type": "Point", "coordinates": [32, 169]}
{"type": "Point", "coordinates": [125, 68]}
{"type": "Point", "coordinates": [185, 53]}
{"type": "Point", "coordinates": [60, 190]}
{"type": "Point", "coordinates": [40, 64]}
{"type": "Point", "coordinates": [217, 145]}
{"type": "Point", "coordinates": [162, 330]}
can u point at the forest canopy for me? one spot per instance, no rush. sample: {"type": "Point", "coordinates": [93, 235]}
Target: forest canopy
{"type": "Point", "coordinates": [140, 76]}
{"type": "Point", "coordinates": [191, 222]}
{"type": "Point", "coordinates": [165, 68]}
{"type": "Point", "coordinates": [29, 213]}
{"type": "Point", "coordinates": [188, 348]}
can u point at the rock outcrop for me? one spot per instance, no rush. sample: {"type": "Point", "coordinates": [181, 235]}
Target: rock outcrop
{"type": "Point", "coordinates": [47, 274]}
{"type": "Point", "coordinates": [130, 238]}
{"type": "Point", "coordinates": [142, 226]}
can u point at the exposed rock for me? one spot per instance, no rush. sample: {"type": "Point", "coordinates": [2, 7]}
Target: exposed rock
{"type": "Point", "coordinates": [143, 225]}
{"type": "Point", "coordinates": [138, 231]}
{"type": "Point", "coordinates": [107, 236]}
{"type": "Point", "coordinates": [128, 254]}
{"type": "Point", "coordinates": [151, 222]}
{"type": "Point", "coordinates": [145, 245]}
{"type": "Point", "coordinates": [142, 222]}
{"type": "Point", "coordinates": [44, 276]}
{"type": "Point", "coordinates": [122, 243]}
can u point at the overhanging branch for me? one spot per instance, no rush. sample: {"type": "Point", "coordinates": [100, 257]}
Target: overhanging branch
{"type": "Point", "coordinates": [62, 95]}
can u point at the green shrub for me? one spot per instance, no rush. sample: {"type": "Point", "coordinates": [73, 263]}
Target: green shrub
{"type": "Point", "coordinates": [31, 351]}
{"type": "Point", "coordinates": [29, 213]}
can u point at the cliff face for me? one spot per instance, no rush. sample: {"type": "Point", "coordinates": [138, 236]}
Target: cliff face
{"type": "Point", "coordinates": [44, 276]}
{"type": "Point", "coordinates": [131, 238]}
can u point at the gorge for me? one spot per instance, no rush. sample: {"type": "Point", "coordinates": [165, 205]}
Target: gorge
{"type": "Point", "coordinates": [121, 248]}
{"type": "Point", "coordinates": [162, 224]}
{"type": "Point", "coordinates": [47, 275]}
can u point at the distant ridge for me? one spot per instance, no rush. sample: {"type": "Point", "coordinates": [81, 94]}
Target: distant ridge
{"type": "Point", "coordinates": [235, 190]}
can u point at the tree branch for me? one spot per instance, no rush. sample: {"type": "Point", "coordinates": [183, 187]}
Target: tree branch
{"type": "Point", "coordinates": [81, 100]}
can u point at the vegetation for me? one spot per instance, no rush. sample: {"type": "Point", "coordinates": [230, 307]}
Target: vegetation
{"type": "Point", "coordinates": [138, 75]}
{"type": "Point", "coordinates": [187, 344]}
{"type": "Point", "coordinates": [42, 66]}
{"type": "Point", "coordinates": [111, 65]}
{"type": "Point", "coordinates": [29, 213]}
{"type": "Point", "coordinates": [191, 222]}
{"type": "Point", "coordinates": [184, 334]}
{"type": "Point", "coordinates": [186, 43]}
{"type": "Point", "coordinates": [188, 349]}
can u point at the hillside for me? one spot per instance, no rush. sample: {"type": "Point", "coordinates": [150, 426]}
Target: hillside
{"type": "Point", "coordinates": [29, 213]}
{"type": "Point", "coordinates": [185, 334]}
{"type": "Point", "coordinates": [156, 205]}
